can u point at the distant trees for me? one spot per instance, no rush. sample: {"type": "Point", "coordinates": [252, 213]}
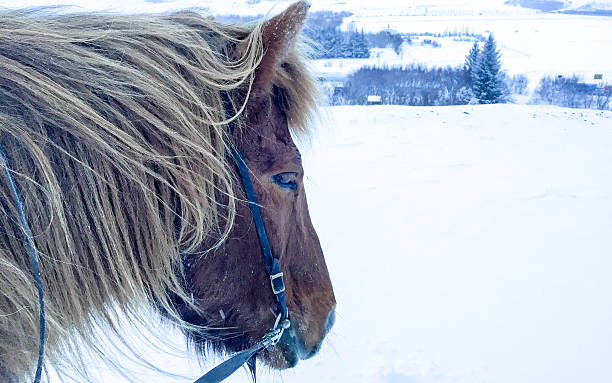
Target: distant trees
{"type": "Point", "coordinates": [518, 84]}
{"type": "Point", "coordinates": [334, 43]}
{"type": "Point", "coordinates": [479, 80]}
{"type": "Point", "coordinates": [386, 39]}
{"type": "Point", "coordinates": [410, 85]}
{"type": "Point", "coordinates": [483, 67]}
{"type": "Point", "coordinates": [324, 29]}
{"type": "Point", "coordinates": [358, 46]}
{"type": "Point", "coordinates": [571, 92]}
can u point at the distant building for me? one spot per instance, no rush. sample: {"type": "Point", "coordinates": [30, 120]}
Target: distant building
{"type": "Point", "coordinates": [597, 80]}
{"type": "Point", "coordinates": [374, 100]}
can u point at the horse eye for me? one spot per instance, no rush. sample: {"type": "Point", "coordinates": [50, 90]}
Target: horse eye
{"type": "Point", "coordinates": [286, 180]}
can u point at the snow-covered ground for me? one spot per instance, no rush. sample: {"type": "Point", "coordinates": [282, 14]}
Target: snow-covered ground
{"type": "Point", "coordinates": [466, 244]}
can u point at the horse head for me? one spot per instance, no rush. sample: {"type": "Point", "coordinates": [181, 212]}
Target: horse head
{"type": "Point", "coordinates": [230, 285]}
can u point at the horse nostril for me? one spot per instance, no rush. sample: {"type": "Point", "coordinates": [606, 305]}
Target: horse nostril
{"type": "Point", "coordinates": [329, 322]}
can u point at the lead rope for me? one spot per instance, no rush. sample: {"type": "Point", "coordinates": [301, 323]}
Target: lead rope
{"type": "Point", "coordinates": [272, 336]}
{"type": "Point", "coordinates": [247, 356]}
{"type": "Point", "coordinates": [29, 244]}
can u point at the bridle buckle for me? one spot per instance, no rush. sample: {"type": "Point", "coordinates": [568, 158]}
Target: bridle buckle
{"type": "Point", "coordinates": [277, 282]}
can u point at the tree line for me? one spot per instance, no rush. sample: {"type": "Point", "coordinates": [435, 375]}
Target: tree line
{"type": "Point", "coordinates": [479, 80]}
{"type": "Point", "coordinates": [409, 85]}
{"type": "Point", "coordinates": [571, 92]}
{"type": "Point", "coordinates": [323, 28]}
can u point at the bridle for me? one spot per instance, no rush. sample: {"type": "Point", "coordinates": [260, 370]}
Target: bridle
{"type": "Point", "coordinates": [248, 356]}
{"type": "Point", "coordinates": [31, 248]}
{"type": "Point", "coordinates": [277, 283]}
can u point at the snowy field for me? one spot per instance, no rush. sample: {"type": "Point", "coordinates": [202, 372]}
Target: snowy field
{"type": "Point", "coordinates": [466, 244]}
{"type": "Point", "coordinates": [533, 44]}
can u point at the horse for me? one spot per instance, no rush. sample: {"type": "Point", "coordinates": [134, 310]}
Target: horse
{"type": "Point", "coordinates": [119, 132]}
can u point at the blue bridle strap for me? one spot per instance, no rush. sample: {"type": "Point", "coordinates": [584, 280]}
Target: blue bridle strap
{"type": "Point", "coordinates": [31, 248]}
{"type": "Point", "coordinates": [277, 284]}
{"type": "Point", "coordinates": [272, 264]}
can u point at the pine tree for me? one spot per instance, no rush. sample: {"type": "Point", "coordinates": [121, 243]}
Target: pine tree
{"type": "Point", "coordinates": [364, 49]}
{"type": "Point", "coordinates": [471, 60]}
{"type": "Point", "coordinates": [488, 84]}
{"type": "Point", "coordinates": [358, 45]}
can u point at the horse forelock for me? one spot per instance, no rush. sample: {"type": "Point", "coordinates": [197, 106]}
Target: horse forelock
{"type": "Point", "coordinates": [115, 129]}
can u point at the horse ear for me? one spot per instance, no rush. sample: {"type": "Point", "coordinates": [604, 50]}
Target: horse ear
{"type": "Point", "coordinates": [279, 34]}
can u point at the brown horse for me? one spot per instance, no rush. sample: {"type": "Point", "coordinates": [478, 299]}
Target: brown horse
{"type": "Point", "coordinates": [115, 129]}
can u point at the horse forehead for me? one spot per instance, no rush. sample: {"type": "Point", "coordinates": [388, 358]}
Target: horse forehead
{"type": "Point", "coordinates": [273, 154]}
{"type": "Point", "coordinates": [268, 138]}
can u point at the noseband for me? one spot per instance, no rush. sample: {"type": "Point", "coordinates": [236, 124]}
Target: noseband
{"type": "Point", "coordinates": [273, 335]}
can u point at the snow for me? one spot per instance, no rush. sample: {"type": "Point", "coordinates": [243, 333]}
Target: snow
{"type": "Point", "coordinates": [466, 244]}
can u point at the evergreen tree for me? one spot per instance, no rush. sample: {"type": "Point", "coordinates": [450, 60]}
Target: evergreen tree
{"type": "Point", "coordinates": [488, 84]}
{"type": "Point", "coordinates": [471, 60]}
{"type": "Point", "coordinates": [331, 42]}
{"type": "Point", "coordinates": [358, 46]}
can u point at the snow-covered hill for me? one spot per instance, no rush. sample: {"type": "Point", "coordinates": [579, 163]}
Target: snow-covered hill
{"type": "Point", "coordinates": [562, 6]}
{"type": "Point", "coordinates": [358, 7]}
{"type": "Point", "coordinates": [466, 244]}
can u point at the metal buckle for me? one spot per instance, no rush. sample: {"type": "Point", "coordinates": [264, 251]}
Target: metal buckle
{"type": "Point", "coordinates": [276, 276]}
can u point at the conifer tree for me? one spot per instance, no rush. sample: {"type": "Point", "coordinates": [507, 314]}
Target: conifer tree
{"type": "Point", "coordinates": [358, 46]}
{"type": "Point", "coordinates": [471, 60]}
{"type": "Point", "coordinates": [488, 84]}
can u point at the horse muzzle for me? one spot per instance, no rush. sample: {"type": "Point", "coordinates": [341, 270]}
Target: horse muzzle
{"type": "Point", "coordinates": [298, 343]}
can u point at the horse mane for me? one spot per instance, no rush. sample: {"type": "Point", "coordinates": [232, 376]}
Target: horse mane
{"type": "Point", "coordinates": [114, 128]}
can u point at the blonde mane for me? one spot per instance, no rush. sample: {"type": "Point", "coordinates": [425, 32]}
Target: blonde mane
{"type": "Point", "coordinates": [115, 131]}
